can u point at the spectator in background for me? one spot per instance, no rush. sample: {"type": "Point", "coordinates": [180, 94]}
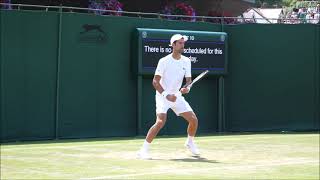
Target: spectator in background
{"type": "Point", "coordinates": [113, 5]}
{"type": "Point", "coordinates": [281, 17]}
{"type": "Point", "coordinates": [7, 6]}
{"type": "Point", "coordinates": [316, 18]}
{"type": "Point", "coordinates": [302, 15]}
{"type": "Point", "coordinates": [309, 17]}
{"type": "Point", "coordinates": [294, 16]}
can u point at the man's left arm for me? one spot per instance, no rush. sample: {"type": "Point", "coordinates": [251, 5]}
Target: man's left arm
{"type": "Point", "coordinates": [184, 89]}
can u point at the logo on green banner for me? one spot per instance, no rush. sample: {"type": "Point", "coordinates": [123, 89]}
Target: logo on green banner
{"type": "Point", "coordinates": [92, 33]}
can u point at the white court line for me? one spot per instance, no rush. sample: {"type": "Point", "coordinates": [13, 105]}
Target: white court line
{"type": "Point", "coordinates": [134, 141]}
{"type": "Point", "coordinates": [123, 175]}
{"type": "Point", "coordinates": [242, 167]}
{"type": "Point", "coordinates": [51, 146]}
{"type": "Point", "coordinates": [55, 147]}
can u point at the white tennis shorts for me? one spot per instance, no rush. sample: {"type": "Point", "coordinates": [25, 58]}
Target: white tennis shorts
{"type": "Point", "coordinates": [178, 107]}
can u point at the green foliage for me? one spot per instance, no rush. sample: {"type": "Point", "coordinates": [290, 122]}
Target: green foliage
{"type": "Point", "coordinates": [289, 3]}
{"type": "Point", "coordinates": [300, 4]}
{"type": "Point", "coordinates": [286, 3]}
{"type": "Point", "coordinates": [268, 3]}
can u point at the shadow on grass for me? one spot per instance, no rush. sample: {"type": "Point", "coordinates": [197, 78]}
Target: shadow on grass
{"type": "Point", "coordinates": [189, 159]}
{"type": "Point", "coordinates": [195, 159]}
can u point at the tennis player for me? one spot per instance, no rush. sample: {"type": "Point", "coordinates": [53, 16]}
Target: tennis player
{"type": "Point", "coordinates": [167, 81]}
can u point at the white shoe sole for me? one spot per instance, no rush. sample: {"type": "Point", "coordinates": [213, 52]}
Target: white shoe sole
{"type": "Point", "coordinates": [145, 157]}
{"type": "Point", "coordinates": [194, 154]}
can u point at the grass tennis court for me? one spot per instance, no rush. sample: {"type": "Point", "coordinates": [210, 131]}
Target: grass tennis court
{"type": "Point", "coordinates": [228, 156]}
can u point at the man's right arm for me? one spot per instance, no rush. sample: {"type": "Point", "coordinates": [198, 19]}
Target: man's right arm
{"type": "Point", "coordinates": [157, 76]}
{"type": "Point", "coordinates": [156, 84]}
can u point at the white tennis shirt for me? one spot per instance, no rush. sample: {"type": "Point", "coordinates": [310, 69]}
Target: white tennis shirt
{"type": "Point", "coordinates": [172, 72]}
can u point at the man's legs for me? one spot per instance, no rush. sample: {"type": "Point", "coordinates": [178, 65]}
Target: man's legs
{"type": "Point", "coordinates": [154, 130]}
{"type": "Point", "coordinates": [192, 119]}
{"type": "Point", "coordinates": [152, 133]}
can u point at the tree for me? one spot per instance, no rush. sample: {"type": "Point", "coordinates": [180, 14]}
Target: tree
{"type": "Point", "coordinates": [276, 3]}
{"type": "Point", "coordinates": [289, 3]}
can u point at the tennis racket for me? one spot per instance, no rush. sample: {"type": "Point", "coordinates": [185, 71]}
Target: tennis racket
{"type": "Point", "coordinates": [200, 76]}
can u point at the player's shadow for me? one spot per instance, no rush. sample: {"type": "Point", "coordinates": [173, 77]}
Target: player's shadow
{"type": "Point", "coordinates": [195, 159]}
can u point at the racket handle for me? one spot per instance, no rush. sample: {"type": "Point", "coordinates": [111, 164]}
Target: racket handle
{"type": "Point", "coordinates": [189, 86]}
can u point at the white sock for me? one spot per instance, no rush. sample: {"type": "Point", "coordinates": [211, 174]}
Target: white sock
{"type": "Point", "coordinates": [146, 145]}
{"type": "Point", "coordinates": [190, 139]}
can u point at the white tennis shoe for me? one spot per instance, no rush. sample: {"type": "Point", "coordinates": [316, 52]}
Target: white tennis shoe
{"type": "Point", "coordinates": [143, 154]}
{"type": "Point", "coordinates": [192, 148]}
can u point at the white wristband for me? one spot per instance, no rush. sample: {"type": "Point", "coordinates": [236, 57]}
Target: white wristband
{"type": "Point", "coordinates": [178, 94]}
{"type": "Point", "coordinates": [164, 93]}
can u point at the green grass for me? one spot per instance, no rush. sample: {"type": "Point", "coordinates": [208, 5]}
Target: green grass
{"type": "Point", "coordinates": [246, 156]}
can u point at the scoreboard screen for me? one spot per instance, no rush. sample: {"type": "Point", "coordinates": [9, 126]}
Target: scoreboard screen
{"type": "Point", "coordinates": [206, 50]}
